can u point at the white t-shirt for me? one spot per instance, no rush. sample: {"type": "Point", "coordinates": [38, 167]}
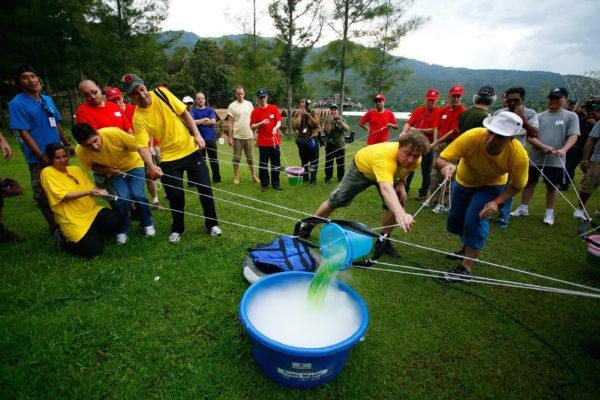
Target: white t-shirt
{"type": "Point", "coordinates": [241, 116]}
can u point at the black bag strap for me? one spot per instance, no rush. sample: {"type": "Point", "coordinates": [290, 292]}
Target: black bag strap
{"type": "Point", "coordinates": [159, 93]}
{"type": "Point", "coordinates": [305, 263]}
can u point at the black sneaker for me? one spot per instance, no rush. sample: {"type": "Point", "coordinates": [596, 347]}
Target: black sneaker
{"type": "Point", "coordinates": [328, 181]}
{"type": "Point", "coordinates": [59, 239]}
{"type": "Point", "coordinates": [305, 230]}
{"type": "Point", "coordinates": [458, 274]}
{"type": "Point", "coordinates": [390, 250]}
{"type": "Point", "coordinates": [457, 255]}
{"type": "Point", "coordinates": [264, 188]}
{"type": "Point", "coordinates": [7, 236]}
{"type": "Point", "coordinates": [277, 187]}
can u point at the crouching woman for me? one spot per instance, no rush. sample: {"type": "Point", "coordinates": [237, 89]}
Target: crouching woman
{"type": "Point", "coordinates": [71, 196]}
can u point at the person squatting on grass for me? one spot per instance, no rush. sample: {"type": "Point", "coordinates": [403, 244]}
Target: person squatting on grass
{"type": "Point", "coordinates": [111, 152]}
{"type": "Point", "coordinates": [387, 165]}
{"type": "Point", "coordinates": [36, 120]}
{"type": "Point", "coordinates": [71, 196]}
{"type": "Point", "coordinates": [488, 157]}
{"type": "Point", "coordinates": [179, 147]}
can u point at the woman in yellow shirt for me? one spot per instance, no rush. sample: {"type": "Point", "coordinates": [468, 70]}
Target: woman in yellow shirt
{"type": "Point", "coordinates": [71, 196]}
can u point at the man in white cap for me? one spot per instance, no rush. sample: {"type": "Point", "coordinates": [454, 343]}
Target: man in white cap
{"type": "Point", "coordinates": [488, 157]}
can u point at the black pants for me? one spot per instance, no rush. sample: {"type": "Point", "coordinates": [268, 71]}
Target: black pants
{"type": "Point", "coordinates": [309, 157]}
{"type": "Point", "coordinates": [267, 154]}
{"type": "Point", "coordinates": [339, 155]}
{"type": "Point", "coordinates": [107, 222]}
{"type": "Point", "coordinates": [197, 172]}
{"type": "Point", "coordinates": [426, 166]}
{"type": "Point", "coordinates": [211, 150]}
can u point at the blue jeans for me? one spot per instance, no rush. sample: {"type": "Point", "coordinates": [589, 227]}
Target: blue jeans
{"type": "Point", "coordinates": [506, 207]}
{"type": "Point", "coordinates": [463, 217]}
{"type": "Point", "coordinates": [132, 187]}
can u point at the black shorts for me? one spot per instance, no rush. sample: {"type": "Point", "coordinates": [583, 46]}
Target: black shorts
{"type": "Point", "coordinates": [554, 175]}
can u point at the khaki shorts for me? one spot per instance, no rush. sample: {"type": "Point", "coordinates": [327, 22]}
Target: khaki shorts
{"type": "Point", "coordinates": [243, 144]}
{"type": "Point", "coordinates": [591, 179]}
{"type": "Point", "coordinates": [36, 185]}
{"type": "Point", "coordinates": [353, 183]}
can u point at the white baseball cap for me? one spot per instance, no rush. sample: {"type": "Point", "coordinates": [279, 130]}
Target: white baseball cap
{"type": "Point", "coordinates": [187, 99]}
{"type": "Point", "coordinates": [505, 123]}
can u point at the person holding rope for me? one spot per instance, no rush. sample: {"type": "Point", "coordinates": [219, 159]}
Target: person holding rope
{"type": "Point", "coordinates": [488, 157]}
{"type": "Point", "coordinates": [266, 120]}
{"type": "Point", "coordinates": [161, 115]}
{"type": "Point", "coordinates": [114, 153]}
{"type": "Point", "coordinates": [387, 165]}
{"type": "Point", "coordinates": [445, 131]}
{"type": "Point", "coordinates": [557, 133]}
{"type": "Point", "coordinates": [334, 148]}
{"type": "Point", "coordinates": [71, 195]}
{"type": "Point", "coordinates": [379, 120]}
{"type": "Point", "coordinates": [306, 125]}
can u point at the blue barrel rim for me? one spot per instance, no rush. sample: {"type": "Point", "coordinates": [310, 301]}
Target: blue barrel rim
{"type": "Point", "coordinates": [345, 344]}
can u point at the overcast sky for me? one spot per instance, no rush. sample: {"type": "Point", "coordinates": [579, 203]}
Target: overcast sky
{"type": "Point", "coordinates": [547, 35]}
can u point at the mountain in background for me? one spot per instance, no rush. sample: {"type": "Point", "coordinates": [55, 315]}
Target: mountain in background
{"type": "Point", "coordinates": [425, 76]}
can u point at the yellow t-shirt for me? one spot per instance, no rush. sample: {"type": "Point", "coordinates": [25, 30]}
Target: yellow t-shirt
{"type": "Point", "coordinates": [477, 167]}
{"type": "Point", "coordinates": [379, 162]}
{"type": "Point", "coordinates": [118, 149]}
{"type": "Point", "coordinates": [74, 216]}
{"type": "Point", "coordinates": [159, 121]}
{"type": "Point", "coordinates": [241, 119]}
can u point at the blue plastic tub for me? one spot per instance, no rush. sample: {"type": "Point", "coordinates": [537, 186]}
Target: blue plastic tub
{"type": "Point", "coordinates": [297, 366]}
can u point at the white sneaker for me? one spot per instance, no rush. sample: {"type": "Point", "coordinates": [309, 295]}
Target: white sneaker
{"type": "Point", "coordinates": [215, 231]}
{"type": "Point", "coordinates": [439, 209]}
{"type": "Point", "coordinates": [520, 212]}
{"type": "Point", "coordinates": [174, 237]}
{"type": "Point", "coordinates": [149, 231]}
{"type": "Point", "coordinates": [548, 219]}
{"type": "Point", "coordinates": [121, 238]}
{"type": "Point", "coordinates": [579, 213]}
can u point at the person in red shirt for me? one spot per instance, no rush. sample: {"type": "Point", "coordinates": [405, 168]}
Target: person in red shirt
{"type": "Point", "coordinates": [266, 120]}
{"type": "Point", "coordinates": [423, 120]}
{"type": "Point", "coordinates": [114, 95]}
{"type": "Point", "coordinates": [446, 130]}
{"type": "Point", "coordinates": [379, 120]}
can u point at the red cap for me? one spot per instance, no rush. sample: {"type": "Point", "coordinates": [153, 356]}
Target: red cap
{"type": "Point", "coordinates": [379, 97]}
{"type": "Point", "coordinates": [432, 94]}
{"type": "Point", "coordinates": [457, 90]}
{"type": "Point", "coordinates": [113, 93]}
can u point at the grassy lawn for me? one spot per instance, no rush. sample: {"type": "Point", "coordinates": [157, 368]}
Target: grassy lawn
{"type": "Point", "coordinates": [169, 328]}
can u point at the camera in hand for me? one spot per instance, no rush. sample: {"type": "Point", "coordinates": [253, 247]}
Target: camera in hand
{"type": "Point", "coordinates": [307, 108]}
{"type": "Point", "coordinates": [336, 118]}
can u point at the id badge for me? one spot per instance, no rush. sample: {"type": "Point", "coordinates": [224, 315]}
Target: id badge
{"type": "Point", "coordinates": [52, 122]}
{"type": "Point", "coordinates": [304, 130]}
{"type": "Point", "coordinates": [272, 116]}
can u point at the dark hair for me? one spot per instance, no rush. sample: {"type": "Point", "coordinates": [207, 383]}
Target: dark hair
{"type": "Point", "coordinates": [52, 148]}
{"type": "Point", "coordinates": [415, 139]}
{"type": "Point", "coordinates": [483, 99]}
{"type": "Point", "coordinates": [518, 90]}
{"type": "Point", "coordinates": [83, 131]}
{"type": "Point", "coordinates": [17, 70]}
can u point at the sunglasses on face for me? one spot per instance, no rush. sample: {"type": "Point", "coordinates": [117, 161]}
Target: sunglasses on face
{"type": "Point", "coordinates": [92, 92]}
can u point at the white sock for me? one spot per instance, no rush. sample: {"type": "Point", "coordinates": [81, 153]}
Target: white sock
{"type": "Point", "coordinates": [549, 211]}
{"type": "Point", "coordinates": [524, 207]}
{"type": "Point", "coordinates": [154, 200]}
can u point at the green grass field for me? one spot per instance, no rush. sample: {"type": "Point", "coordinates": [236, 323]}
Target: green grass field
{"type": "Point", "coordinates": [166, 325]}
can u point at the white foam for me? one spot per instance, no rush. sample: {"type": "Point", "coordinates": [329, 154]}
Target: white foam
{"type": "Point", "coordinates": [282, 314]}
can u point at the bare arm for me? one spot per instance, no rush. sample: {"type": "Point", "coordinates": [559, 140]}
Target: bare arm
{"type": "Point", "coordinates": [492, 207]}
{"type": "Point", "coordinates": [588, 149]}
{"type": "Point", "coordinates": [6, 150]}
{"type": "Point", "coordinates": [571, 140]}
{"type": "Point", "coordinates": [63, 139]}
{"type": "Point", "coordinates": [404, 220]}
{"type": "Point", "coordinates": [152, 170]}
{"type": "Point", "coordinates": [96, 192]}
{"type": "Point", "coordinates": [29, 142]}
{"type": "Point", "coordinates": [187, 117]}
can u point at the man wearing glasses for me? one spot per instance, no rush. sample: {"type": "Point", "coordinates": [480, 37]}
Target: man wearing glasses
{"type": "Point", "coordinates": [380, 121]}
{"type": "Point", "coordinates": [100, 114]}
{"type": "Point", "coordinates": [37, 122]}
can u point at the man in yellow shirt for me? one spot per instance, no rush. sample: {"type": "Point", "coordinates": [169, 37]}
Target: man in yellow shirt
{"type": "Point", "coordinates": [112, 151]}
{"type": "Point", "coordinates": [387, 165]}
{"type": "Point", "coordinates": [161, 115]}
{"type": "Point", "coordinates": [488, 157]}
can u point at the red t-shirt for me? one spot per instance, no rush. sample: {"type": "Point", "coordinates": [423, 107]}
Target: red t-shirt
{"type": "Point", "coordinates": [129, 111]}
{"type": "Point", "coordinates": [448, 120]}
{"type": "Point", "coordinates": [109, 116]}
{"type": "Point", "coordinates": [421, 118]}
{"type": "Point", "coordinates": [376, 122]}
{"type": "Point", "coordinates": [265, 136]}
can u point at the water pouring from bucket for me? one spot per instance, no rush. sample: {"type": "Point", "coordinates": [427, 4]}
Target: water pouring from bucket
{"type": "Point", "coordinates": [340, 246]}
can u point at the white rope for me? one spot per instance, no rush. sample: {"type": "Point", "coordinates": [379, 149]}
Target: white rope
{"type": "Point", "coordinates": [575, 190]}
{"type": "Point", "coordinates": [487, 281]}
{"type": "Point", "coordinates": [552, 184]}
